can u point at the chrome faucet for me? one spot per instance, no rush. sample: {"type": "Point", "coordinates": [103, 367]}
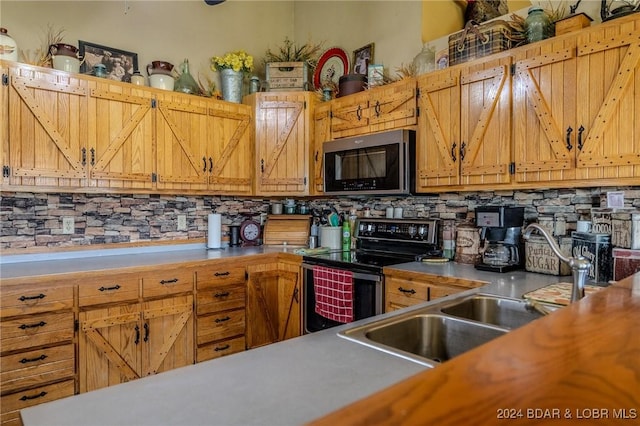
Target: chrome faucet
{"type": "Point", "coordinates": [579, 265]}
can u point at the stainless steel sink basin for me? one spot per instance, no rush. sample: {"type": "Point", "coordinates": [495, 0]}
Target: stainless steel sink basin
{"type": "Point", "coordinates": [503, 312]}
{"type": "Point", "coordinates": [426, 338]}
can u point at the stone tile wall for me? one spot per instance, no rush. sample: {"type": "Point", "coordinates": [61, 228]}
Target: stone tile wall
{"type": "Point", "coordinates": [36, 220]}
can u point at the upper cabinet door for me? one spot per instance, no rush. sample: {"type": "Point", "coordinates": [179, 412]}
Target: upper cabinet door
{"type": "Point", "coordinates": [485, 123]}
{"type": "Point", "coordinates": [321, 134]}
{"type": "Point", "coordinates": [350, 115]}
{"type": "Point", "coordinates": [544, 112]}
{"type": "Point", "coordinates": [393, 106]}
{"type": "Point", "coordinates": [121, 135]}
{"type": "Point", "coordinates": [609, 103]}
{"type": "Point", "coordinates": [47, 128]}
{"type": "Point", "coordinates": [438, 136]}
{"type": "Point", "coordinates": [230, 148]}
{"type": "Point", "coordinates": [181, 139]}
{"type": "Point", "coordinates": [282, 143]}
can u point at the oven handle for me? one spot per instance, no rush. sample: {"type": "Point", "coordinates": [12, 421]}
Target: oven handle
{"type": "Point", "coordinates": [356, 275]}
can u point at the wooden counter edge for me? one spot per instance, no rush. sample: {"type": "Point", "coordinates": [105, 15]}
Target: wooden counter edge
{"type": "Point", "coordinates": [581, 363]}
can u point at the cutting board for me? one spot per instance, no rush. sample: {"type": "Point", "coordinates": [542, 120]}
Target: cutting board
{"type": "Point", "coordinates": [558, 294]}
{"type": "Point", "coordinates": [290, 228]}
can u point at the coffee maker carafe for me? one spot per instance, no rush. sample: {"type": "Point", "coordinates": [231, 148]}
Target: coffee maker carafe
{"type": "Point", "coordinates": [500, 235]}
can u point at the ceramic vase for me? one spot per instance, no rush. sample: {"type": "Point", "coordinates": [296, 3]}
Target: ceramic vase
{"type": "Point", "coordinates": [231, 85]}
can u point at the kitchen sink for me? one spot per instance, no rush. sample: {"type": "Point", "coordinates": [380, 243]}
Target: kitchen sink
{"type": "Point", "coordinates": [503, 312]}
{"type": "Point", "coordinates": [425, 338]}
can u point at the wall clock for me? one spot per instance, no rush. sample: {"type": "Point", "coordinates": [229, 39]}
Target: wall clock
{"type": "Point", "coordinates": [250, 232]}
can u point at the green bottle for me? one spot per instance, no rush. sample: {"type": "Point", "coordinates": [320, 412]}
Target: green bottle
{"type": "Point", "coordinates": [346, 235]}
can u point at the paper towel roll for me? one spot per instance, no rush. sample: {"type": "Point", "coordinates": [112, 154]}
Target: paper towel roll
{"type": "Point", "coordinates": [214, 231]}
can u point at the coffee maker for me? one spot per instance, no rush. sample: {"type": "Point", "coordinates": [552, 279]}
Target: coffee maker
{"type": "Point", "coordinates": [502, 249]}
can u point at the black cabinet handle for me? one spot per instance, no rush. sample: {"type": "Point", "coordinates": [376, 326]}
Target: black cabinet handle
{"type": "Point", "coordinates": [137, 339]}
{"type": "Point", "coordinates": [27, 360]}
{"type": "Point", "coordinates": [221, 274]}
{"type": "Point", "coordinates": [26, 397]}
{"type": "Point", "coordinates": [115, 287]}
{"type": "Point", "coordinates": [222, 348]}
{"type": "Point", "coordinates": [463, 148]}
{"type": "Point", "coordinates": [210, 164]}
{"type": "Point", "coordinates": [377, 109]}
{"type": "Point", "coordinates": [359, 113]}
{"type": "Point", "coordinates": [223, 294]}
{"type": "Point", "coordinates": [93, 156]}
{"type": "Point", "coordinates": [404, 290]}
{"type": "Point", "coordinates": [219, 320]}
{"type": "Point", "coordinates": [262, 165]}
{"type": "Point", "coordinates": [23, 298]}
{"type": "Point", "coordinates": [580, 130]}
{"type": "Point", "coordinates": [84, 156]}
{"type": "Point", "coordinates": [453, 152]}
{"type": "Point", "coordinates": [39, 324]}
{"type": "Point", "coordinates": [171, 281]}
{"type": "Point", "coordinates": [146, 332]}
{"type": "Point", "coordinates": [569, 131]}
{"type": "Point", "coordinates": [204, 164]}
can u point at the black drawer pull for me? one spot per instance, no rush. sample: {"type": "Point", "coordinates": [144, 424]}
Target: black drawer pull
{"type": "Point", "coordinates": [175, 280]}
{"type": "Point", "coordinates": [27, 360]}
{"type": "Point", "coordinates": [23, 298]}
{"type": "Point", "coordinates": [222, 348]}
{"type": "Point", "coordinates": [146, 332]}
{"type": "Point", "coordinates": [26, 398]}
{"type": "Point", "coordinates": [137, 339]}
{"type": "Point", "coordinates": [221, 274]}
{"type": "Point", "coordinates": [219, 320]}
{"type": "Point", "coordinates": [25, 326]}
{"type": "Point", "coordinates": [115, 287]}
{"type": "Point", "coordinates": [404, 290]}
{"type": "Point", "coordinates": [223, 294]}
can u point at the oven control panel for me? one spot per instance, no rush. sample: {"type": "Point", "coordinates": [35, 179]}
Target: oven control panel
{"type": "Point", "coordinates": [414, 230]}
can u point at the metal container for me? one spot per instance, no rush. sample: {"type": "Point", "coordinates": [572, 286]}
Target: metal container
{"type": "Point", "coordinates": [540, 258]}
{"type": "Point", "coordinates": [597, 249]}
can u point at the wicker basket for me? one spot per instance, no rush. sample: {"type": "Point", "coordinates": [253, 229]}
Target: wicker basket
{"type": "Point", "coordinates": [476, 41]}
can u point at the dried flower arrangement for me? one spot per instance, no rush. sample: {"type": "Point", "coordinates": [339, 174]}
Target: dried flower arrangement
{"type": "Point", "coordinates": [41, 56]}
{"type": "Point", "coordinates": [308, 53]}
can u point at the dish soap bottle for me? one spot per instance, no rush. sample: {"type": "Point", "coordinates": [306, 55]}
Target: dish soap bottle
{"type": "Point", "coordinates": [346, 234]}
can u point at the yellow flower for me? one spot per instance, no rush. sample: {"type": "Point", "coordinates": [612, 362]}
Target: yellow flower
{"type": "Point", "coordinates": [237, 60]}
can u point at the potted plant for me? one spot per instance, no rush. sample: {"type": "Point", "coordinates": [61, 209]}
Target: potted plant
{"type": "Point", "coordinates": [291, 65]}
{"type": "Point", "coordinates": [233, 66]}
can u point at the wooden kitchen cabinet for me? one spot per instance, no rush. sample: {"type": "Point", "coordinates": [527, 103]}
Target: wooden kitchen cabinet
{"type": "Point", "coordinates": [273, 302]}
{"type": "Point", "coordinates": [464, 129]}
{"type": "Point", "coordinates": [128, 338]}
{"type": "Point", "coordinates": [37, 356]}
{"type": "Point", "coordinates": [321, 134]}
{"type": "Point", "coordinates": [282, 122]}
{"type": "Point", "coordinates": [405, 288]}
{"type": "Point", "coordinates": [220, 310]}
{"type": "Point", "coordinates": [46, 125]}
{"type": "Point", "coordinates": [575, 103]}
{"type": "Point", "coordinates": [388, 107]}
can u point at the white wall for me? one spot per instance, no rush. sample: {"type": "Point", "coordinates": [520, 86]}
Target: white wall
{"type": "Point", "coordinates": [179, 29]}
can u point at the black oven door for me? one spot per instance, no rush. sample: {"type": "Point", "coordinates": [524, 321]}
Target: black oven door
{"type": "Point", "coordinates": [368, 299]}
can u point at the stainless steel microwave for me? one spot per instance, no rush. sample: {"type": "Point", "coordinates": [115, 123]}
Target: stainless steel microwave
{"type": "Point", "coordinates": [375, 164]}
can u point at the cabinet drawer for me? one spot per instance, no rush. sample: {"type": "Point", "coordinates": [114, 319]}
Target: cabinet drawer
{"type": "Point", "coordinates": [12, 403]}
{"type": "Point", "coordinates": [33, 368]}
{"type": "Point", "coordinates": [442, 291]}
{"type": "Point", "coordinates": [111, 289]}
{"type": "Point", "coordinates": [212, 277]}
{"type": "Point", "coordinates": [397, 301]}
{"type": "Point", "coordinates": [219, 349]}
{"type": "Point", "coordinates": [36, 330]}
{"type": "Point", "coordinates": [408, 289]}
{"type": "Point", "coordinates": [166, 282]}
{"type": "Point", "coordinates": [26, 299]}
{"type": "Point", "coordinates": [220, 298]}
{"type": "Point", "coordinates": [220, 326]}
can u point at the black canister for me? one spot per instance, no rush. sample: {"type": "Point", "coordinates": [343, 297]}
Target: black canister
{"type": "Point", "coordinates": [234, 235]}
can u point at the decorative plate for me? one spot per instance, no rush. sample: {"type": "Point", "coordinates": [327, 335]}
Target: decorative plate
{"type": "Point", "coordinates": [333, 64]}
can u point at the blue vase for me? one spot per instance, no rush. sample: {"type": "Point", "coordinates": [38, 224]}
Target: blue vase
{"type": "Point", "coordinates": [231, 85]}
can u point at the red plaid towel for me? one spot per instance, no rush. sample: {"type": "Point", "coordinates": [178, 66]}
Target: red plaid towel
{"type": "Point", "coordinates": [334, 293]}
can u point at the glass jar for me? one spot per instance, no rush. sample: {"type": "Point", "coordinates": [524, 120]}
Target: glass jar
{"type": "Point", "coordinates": [425, 61]}
{"type": "Point", "coordinates": [537, 25]}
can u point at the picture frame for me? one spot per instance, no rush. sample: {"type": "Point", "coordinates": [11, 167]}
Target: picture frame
{"type": "Point", "coordinates": [120, 64]}
{"type": "Point", "coordinates": [362, 57]}
{"type": "Point", "coordinates": [375, 75]}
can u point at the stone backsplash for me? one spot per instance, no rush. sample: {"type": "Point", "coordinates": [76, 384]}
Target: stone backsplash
{"type": "Point", "coordinates": [36, 220]}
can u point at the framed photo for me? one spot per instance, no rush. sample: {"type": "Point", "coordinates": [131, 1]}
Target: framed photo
{"type": "Point", "coordinates": [375, 76]}
{"type": "Point", "coordinates": [362, 58]}
{"type": "Point", "coordinates": [119, 63]}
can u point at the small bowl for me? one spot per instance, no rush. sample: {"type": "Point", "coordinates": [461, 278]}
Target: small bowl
{"type": "Point", "coordinates": [161, 81]}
